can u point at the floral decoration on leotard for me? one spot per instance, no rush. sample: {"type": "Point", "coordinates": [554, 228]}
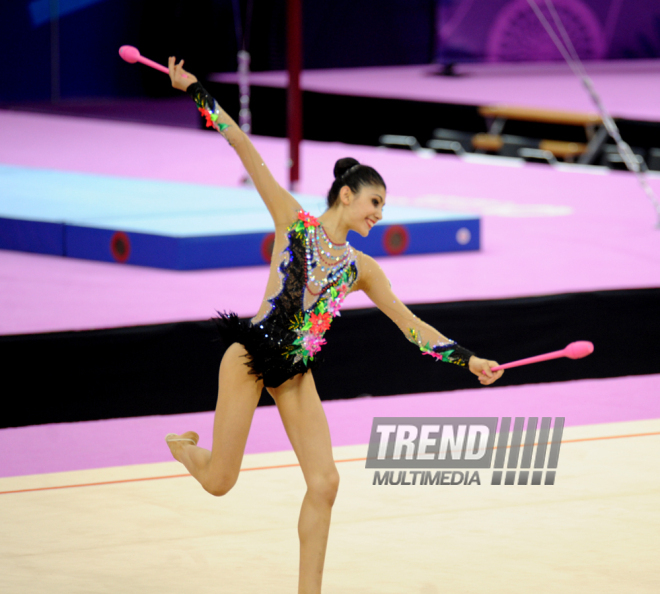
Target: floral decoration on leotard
{"type": "Point", "coordinates": [311, 325]}
{"type": "Point", "coordinates": [207, 106]}
{"type": "Point", "coordinates": [303, 222]}
{"type": "Point", "coordinates": [335, 299]}
{"type": "Point", "coordinates": [447, 352]}
{"type": "Point", "coordinates": [212, 119]}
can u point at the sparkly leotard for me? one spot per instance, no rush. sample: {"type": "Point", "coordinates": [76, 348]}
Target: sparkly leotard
{"type": "Point", "coordinates": [315, 276]}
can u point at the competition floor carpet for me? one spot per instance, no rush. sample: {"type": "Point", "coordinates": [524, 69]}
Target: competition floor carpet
{"type": "Point", "coordinates": [103, 511]}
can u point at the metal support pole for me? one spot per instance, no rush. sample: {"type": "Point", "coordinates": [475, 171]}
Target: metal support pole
{"type": "Point", "coordinates": [55, 92]}
{"type": "Point", "coordinates": [244, 115]}
{"type": "Point", "coordinates": [594, 147]}
{"type": "Point", "coordinates": [294, 98]}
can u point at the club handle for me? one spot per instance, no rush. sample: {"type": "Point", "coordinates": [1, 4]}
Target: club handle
{"type": "Point", "coordinates": [156, 65]}
{"type": "Point", "coordinates": [537, 359]}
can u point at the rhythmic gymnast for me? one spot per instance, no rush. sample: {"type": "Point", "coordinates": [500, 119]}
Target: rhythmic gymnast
{"type": "Point", "coordinates": [312, 270]}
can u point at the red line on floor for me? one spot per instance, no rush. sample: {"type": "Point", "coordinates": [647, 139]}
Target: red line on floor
{"type": "Point", "coordinates": [171, 476]}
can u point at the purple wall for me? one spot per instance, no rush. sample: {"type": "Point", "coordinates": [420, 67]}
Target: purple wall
{"type": "Point", "coordinates": [509, 31]}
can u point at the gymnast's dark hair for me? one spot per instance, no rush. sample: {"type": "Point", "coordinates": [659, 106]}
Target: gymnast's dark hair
{"type": "Point", "coordinates": [349, 172]}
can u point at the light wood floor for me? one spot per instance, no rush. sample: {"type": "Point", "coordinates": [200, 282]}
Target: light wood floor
{"type": "Point", "coordinates": [596, 530]}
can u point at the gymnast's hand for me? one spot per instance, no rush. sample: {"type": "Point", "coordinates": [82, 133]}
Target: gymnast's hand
{"type": "Point", "coordinates": [481, 368]}
{"type": "Point", "coordinates": [176, 75]}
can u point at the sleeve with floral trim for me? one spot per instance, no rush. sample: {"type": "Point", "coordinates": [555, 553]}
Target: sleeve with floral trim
{"type": "Point", "coordinates": [207, 106]}
{"type": "Point", "coordinates": [374, 283]}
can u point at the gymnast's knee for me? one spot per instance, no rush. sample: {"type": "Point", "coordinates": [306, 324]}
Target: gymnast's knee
{"type": "Point", "coordinates": [324, 486]}
{"type": "Point", "coordinates": [219, 486]}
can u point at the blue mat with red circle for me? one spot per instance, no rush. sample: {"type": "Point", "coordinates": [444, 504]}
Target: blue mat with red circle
{"type": "Point", "coordinates": [183, 226]}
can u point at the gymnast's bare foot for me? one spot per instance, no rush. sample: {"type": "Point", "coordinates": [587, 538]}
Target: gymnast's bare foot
{"type": "Point", "coordinates": [176, 442]}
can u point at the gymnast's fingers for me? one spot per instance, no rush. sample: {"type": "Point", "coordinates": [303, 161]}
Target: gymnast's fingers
{"type": "Point", "coordinates": [495, 375]}
{"type": "Point", "coordinates": [183, 73]}
{"type": "Point", "coordinates": [171, 66]}
{"type": "Point", "coordinates": [178, 70]}
{"type": "Point", "coordinates": [486, 375]}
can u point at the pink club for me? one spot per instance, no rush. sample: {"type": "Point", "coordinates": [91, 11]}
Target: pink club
{"type": "Point", "coordinates": [132, 54]}
{"type": "Point", "coordinates": [575, 350]}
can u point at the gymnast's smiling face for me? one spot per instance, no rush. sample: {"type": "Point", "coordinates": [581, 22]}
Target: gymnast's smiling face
{"type": "Point", "coordinates": [363, 209]}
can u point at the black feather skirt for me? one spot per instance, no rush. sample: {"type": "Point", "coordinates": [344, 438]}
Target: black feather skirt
{"type": "Point", "coordinates": [267, 344]}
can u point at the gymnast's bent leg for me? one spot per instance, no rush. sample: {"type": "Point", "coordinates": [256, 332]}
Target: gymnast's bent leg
{"type": "Point", "coordinates": [307, 428]}
{"type": "Point", "coordinates": [238, 395]}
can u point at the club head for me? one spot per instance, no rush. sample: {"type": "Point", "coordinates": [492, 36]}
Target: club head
{"type": "Point", "coordinates": [129, 53]}
{"type": "Point", "coordinates": [579, 349]}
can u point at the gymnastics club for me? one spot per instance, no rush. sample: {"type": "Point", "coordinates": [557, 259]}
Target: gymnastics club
{"type": "Point", "coordinates": [131, 54]}
{"type": "Point", "coordinates": [575, 350]}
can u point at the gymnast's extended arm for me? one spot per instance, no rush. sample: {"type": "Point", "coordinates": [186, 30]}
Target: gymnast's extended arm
{"type": "Point", "coordinates": [372, 280]}
{"type": "Point", "coordinates": [283, 207]}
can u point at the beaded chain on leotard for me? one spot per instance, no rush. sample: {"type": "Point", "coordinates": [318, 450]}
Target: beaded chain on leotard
{"type": "Point", "coordinates": [327, 290]}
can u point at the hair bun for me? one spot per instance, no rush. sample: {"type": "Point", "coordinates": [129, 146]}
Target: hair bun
{"type": "Point", "coordinates": [343, 165]}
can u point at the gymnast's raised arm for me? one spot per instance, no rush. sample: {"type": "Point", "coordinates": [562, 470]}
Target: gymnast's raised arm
{"type": "Point", "coordinates": [283, 207]}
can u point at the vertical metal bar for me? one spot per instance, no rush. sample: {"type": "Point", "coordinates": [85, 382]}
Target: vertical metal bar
{"type": "Point", "coordinates": [595, 145]}
{"type": "Point", "coordinates": [244, 114]}
{"type": "Point", "coordinates": [294, 115]}
{"type": "Point", "coordinates": [54, 51]}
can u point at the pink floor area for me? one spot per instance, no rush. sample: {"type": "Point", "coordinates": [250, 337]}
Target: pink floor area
{"type": "Point", "coordinates": [544, 230]}
{"type": "Point", "coordinates": [628, 88]}
{"type": "Point", "coordinates": [118, 442]}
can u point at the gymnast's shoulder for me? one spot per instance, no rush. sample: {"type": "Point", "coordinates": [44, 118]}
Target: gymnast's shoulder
{"type": "Point", "coordinates": [369, 273]}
